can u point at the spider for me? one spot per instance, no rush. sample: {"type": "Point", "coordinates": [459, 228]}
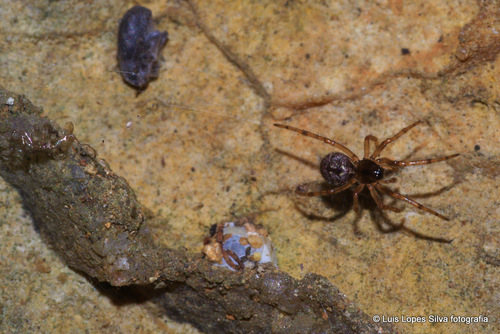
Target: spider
{"type": "Point", "coordinates": [341, 171]}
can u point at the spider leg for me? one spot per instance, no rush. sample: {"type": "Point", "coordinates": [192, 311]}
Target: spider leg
{"type": "Point", "coordinates": [390, 162]}
{"type": "Point", "coordinates": [382, 145]}
{"type": "Point", "coordinates": [367, 144]}
{"type": "Point", "coordinates": [409, 201]}
{"type": "Point", "coordinates": [327, 192]}
{"type": "Point", "coordinates": [379, 202]}
{"type": "Point", "coordinates": [357, 190]}
{"type": "Point", "coordinates": [323, 139]}
{"type": "Point", "coordinates": [392, 180]}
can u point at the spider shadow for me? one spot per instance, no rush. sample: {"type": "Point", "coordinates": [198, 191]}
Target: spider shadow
{"type": "Point", "coordinates": [343, 202]}
{"type": "Point", "coordinates": [317, 208]}
{"type": "Point", "coordinates": [381, 218]}
{"type": "Point", "coordinates": [320, 208]}
{"type": "Point", "coordinates": [296, 157]}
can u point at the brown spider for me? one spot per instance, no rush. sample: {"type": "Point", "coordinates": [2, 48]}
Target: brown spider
{"type": "Point", "coordinates": [342, 171]}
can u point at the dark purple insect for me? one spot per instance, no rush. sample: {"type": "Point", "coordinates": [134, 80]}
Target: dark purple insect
{"type": "Point", "coordinates": [139, 46]}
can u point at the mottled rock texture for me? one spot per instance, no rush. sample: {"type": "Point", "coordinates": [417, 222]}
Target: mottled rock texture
{"type": "Point", "coordinates": [201, 146]}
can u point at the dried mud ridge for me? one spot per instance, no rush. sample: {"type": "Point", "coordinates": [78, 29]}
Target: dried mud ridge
{"type": "Point", "coordinates": [92, 219]}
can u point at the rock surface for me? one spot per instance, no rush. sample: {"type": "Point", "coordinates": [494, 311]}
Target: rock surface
{"type": "Point", "coordinates": [201, 147]}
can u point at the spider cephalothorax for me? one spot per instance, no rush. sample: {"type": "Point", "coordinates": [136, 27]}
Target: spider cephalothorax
{"type": "Point", "coordinates": [344, 170]}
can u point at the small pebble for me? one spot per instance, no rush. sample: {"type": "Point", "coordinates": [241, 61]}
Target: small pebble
{"type": "Point", "coordinates": [10, 101]}
{"type": "Point", "coordinates": [213, 252]}
{"type": "Point", "coordinates": [255, 241]}
{"type": "Point", "coordinates": [256, 257]}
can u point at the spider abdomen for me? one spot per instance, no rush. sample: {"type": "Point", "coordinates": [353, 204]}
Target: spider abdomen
{"type": "Point", "coordinates": [368, 171]}
{"type": "Point", "coordinates": [336, 169]}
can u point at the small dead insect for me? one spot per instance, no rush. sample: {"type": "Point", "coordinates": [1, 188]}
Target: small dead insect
{"type": "Point", "coordinates": [139, 47]}
{"type": "Point", "coordinates": [228, 255]}
{"type": "Point", "coordinates": [239, 245]}
{"type": "Point", "coordinates": [214, 248]}
{"type": "Point", "coordinates": [341, 171]}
